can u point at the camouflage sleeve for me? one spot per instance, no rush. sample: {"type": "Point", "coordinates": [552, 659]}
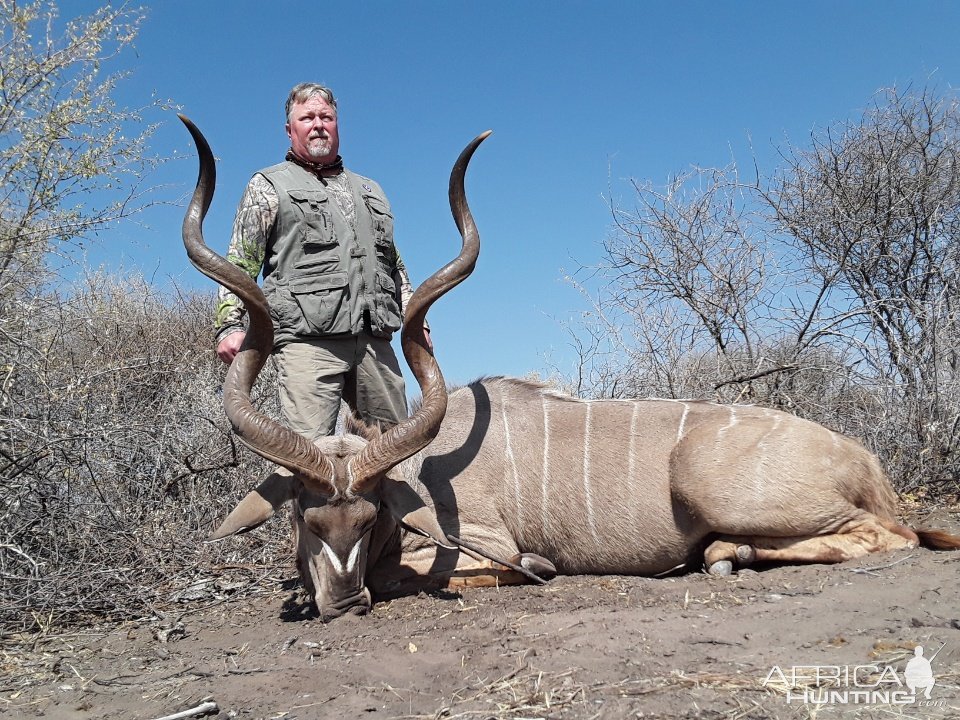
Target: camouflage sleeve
{"type": "Point", "coordinates": [255, 217]}
{"type": "Point", "coordinates": [404, 288]}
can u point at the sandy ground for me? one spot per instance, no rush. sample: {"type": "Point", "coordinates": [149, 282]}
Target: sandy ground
{"type": "Point", "coordinates": [694, 646]}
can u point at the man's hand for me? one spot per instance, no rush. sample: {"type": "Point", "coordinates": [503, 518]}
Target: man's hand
{"type": "Point", "coordinates": [228, 348]}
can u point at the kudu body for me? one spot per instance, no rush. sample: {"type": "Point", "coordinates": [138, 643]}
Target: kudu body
{"type": "Point", "coordinates": [542, 482]}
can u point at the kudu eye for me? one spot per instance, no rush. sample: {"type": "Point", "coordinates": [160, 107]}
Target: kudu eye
{"type": "Point", "coordinates": [367, 527]}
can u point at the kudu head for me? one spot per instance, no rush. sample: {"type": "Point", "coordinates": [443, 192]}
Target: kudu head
{"type": "Point", "coordinates": [340, 487]}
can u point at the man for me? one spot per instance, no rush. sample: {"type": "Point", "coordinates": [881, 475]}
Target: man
{"type": "Point", "coordinates": [335, 283]}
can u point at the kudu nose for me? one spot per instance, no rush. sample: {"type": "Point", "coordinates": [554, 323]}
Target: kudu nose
{"type": "Point", "coordinates": [358, 604]}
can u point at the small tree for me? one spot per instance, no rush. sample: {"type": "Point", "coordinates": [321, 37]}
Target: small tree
{"type": "Point", "coordinates": [71, 160]}
{"type": "Point", "coordinates": [688, 284]}
{"type": "Point", "coordinates": [872, 209]}
{"type": "Point", "coordinates": [108, 406]}
{"type": "Point", "coordinates": [830, 289]}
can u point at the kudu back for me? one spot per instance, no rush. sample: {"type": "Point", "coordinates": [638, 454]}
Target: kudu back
{"type": "Point", "coordinates": [505, 480]}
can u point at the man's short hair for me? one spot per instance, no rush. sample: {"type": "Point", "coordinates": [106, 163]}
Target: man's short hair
{"type": "Point", "coordinates": [304, 91]}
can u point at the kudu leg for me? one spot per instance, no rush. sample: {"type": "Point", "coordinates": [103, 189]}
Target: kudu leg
{"type": "Point", "coordinates": [866, 534]}
{"type": "Point", "coordinates": [489, 573]}
{"type": "Point", "coordinates": [427, 570]}
{"type": "Point", "coordinates": [722, 556]}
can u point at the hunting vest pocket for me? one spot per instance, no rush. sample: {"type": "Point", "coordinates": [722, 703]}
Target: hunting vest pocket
{"type": "Point", "coordinates": [382, 219]}
{"type": "Point", "coordinates": [386, 255]}
{"type": "Point", "coordinates": [323, 301]}
{"type": "Point", "coordinates": [283, 308]}
{"type": "Point", "coordinates": [316, 224]}
{"type": "Point", "coordinates": [388, 311]}
{"type": "Point", "coordinates": [319, 254]}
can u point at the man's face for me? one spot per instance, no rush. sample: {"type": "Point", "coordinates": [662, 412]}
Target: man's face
{"type": "Point", "coordinates": [312, 129]}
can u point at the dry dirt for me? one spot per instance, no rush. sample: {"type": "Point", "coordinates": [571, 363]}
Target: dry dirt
{"type": "Point", "coordinates": [580, 647]}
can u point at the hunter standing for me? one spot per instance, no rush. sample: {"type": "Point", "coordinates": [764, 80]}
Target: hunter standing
{"type": "Point", "coordinates": [323, 238]}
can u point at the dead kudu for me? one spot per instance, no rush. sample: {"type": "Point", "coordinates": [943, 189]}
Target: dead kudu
{"type": "Point", "coordinates": [545, 482]}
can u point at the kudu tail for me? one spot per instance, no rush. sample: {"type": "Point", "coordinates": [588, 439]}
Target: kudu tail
{"type": "Point", "coordinates": [938, 539]}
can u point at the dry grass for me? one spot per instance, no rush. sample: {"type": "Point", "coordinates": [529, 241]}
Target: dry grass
{"type": "Point", "coordinates": [115, 459]}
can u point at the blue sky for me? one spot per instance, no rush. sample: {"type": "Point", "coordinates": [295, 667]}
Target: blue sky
{"type": "Point", "coordinates": [581, 96]}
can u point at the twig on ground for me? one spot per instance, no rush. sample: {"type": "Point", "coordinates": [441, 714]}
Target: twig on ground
{"type": "Point", "coordinates": [202, 709]}
{"type": "Point", "coordinates": [872, 570]}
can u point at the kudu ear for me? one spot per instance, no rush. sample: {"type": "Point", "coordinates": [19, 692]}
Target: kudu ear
{"type": "Point", "coordinates": [258, 506]}
{"type": "Point", "coordinates": [409, 509]}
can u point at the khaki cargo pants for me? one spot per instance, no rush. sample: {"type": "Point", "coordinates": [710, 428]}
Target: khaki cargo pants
{"type": "Point", "coordinates": [315, 374]}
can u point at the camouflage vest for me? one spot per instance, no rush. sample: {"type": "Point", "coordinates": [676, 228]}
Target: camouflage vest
{"type": "Point", "coordinates": [319, 276]}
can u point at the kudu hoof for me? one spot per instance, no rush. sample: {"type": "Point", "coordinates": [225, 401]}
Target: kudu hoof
{"type": "Point", "coordinates": [537, 564]}
{"type": "Point", "coordinates": [721, 567]}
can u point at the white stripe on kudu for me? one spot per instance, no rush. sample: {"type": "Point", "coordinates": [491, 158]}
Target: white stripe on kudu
{"type": "Point", "coordinates": [632, 459]}
{"type": "Point", "coordinates": [683, 422]}
{"type": "Point", "coordinates": [545, 475]}
{"type": "Point", "coordinates": [337, 564]}
{"type": "Point", "coordinates": [511, 461]}
{"type": "Point", "coordinates": [586, 473]}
